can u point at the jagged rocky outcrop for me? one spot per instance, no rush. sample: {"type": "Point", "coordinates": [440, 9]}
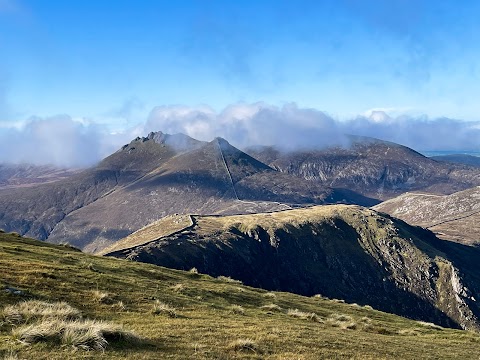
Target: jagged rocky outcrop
{"type": "Point", "coordinates": [145, 180]}
{"type": "Point", "coordinates": [339, 251]}
{"type": "Point", "coordinates": [374, 168]}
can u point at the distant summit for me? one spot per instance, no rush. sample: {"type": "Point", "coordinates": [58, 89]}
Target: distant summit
{"type": "Point", "coordinates": [162, 174]}
{"type": "Point", "coordinates": [374, 168]}
{"type": "Point", "coordinates": [145, 180]}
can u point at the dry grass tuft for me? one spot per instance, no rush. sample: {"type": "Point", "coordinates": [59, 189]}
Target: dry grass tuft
{"type": "Point", "coordinates": [119, 306]}
{"type": "Point", "coordinates": [88, 265]}
{"type": "Point", "coordinates": [408, 332]}
{"type": "Point", "coordinates": [342, 321]}
{"type": "Point", "coordinates": [246, 345]}
{"type": "Point", "coordinates": [80, 334]}
{"type": "Point", "coordinates": [178, 287]}
{"type": "Point", "coordinates": [160, 308]}
{"type": "Point", "coordinates": [429, 325]}
{"type": "Point", "coordinates": [103, 297]}
{"type": "Point", "coordinates": [31, 310]}
{"type": "Point", "coordinates": [304, 315]}
{"type": "Point", "coordinates": [271, 307]}
{"type": "Point", "coordinates": [237, 310]}
{"type": "Point", "coordinates": [10, 356]}
{"type": "Point", "coordinates": [229, 280]}
{"type": "Point", "coordinates": [270, 295]}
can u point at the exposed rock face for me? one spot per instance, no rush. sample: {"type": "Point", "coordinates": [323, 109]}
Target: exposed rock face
{"type": "Point", "coordinates": [453, 217]}
{"type": "Point", "coordinates": [376, 169]}
{"type": "Point", "coordinates": [163, 174]}
{"type": "Point", "coordinates": [345, 252]}
{"type": "Point", "coordinates": [145, 180]}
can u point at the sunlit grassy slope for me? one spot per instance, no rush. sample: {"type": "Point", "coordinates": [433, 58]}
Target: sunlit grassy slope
{"type": "Point", "coordinates": [183, 315]}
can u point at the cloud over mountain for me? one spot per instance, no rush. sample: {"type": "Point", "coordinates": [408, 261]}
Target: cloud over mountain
{"type": "Point", "coordinates": [62, 140]}
{"type": "Point", "coordinates": [291, 127]}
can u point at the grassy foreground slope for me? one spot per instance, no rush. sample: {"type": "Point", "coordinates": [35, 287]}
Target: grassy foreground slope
{"type": "Point", "coordinates": [341, 251]}
{"type": "Point", "coordinates": [212, 319]}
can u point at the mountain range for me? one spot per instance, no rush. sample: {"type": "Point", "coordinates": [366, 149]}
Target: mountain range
{"type": "Point", "coordinates": [161, 174]}
{"type": "Point", "coordinates": [376, 169]}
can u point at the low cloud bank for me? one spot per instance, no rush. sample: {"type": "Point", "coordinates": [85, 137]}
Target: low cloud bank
{"type": "Point", "coordinates": [64, 141]}
{"type": "Point", "coordinates": [59, 140]}
{"type": "Point", "coordinates": [292, 127]}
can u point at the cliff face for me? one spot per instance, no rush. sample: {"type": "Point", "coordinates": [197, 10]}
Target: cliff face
{"type": "Point", "coordinates": [376, 169]}
{"type": "Point", "coordinates": [344, 252]}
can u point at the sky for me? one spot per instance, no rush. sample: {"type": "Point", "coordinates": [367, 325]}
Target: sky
{"type": "Point", "coordinates": [77, 74]}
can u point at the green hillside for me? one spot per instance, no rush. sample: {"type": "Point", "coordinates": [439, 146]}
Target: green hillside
{"type": "Point", "coordinates": [184, 315]}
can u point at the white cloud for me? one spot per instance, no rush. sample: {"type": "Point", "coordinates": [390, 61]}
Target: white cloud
{"type": "Point", "coordinates": [62, 140]}
{"type": "Point", "coordinates": [58, 140]}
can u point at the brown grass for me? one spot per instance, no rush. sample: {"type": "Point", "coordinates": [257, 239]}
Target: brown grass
{"type": "Point", "coordinates": [160, 308]}
{"type": "Point", "coordinates": [27, 311]}
{"type": "Point", "coordinates": [271, 307]}
{"type": "Point", "coordinates": [80, 334]}
{"type": "Point", "coordinates": [245, 345]}
{"type": "Point", "coordinates": [304, 315]}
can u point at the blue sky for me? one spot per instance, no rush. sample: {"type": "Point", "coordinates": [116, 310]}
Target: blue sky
{"type": "Point", "coordinates": [110, 63]}
{"type": "Point", "coordinates": [97, 58]}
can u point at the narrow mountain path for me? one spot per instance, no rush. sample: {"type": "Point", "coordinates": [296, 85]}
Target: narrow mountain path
{"type": "Point", "coordinates": [454, 219]}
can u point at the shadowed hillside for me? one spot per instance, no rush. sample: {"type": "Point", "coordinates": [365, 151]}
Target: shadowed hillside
{"type": "Point", "coordinates": [145, 180]}
{"type": "Point", "coordinates": [340, 251]}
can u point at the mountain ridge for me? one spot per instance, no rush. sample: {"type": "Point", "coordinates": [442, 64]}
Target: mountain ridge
{"type": "Point", "coordinates": [340, 251]}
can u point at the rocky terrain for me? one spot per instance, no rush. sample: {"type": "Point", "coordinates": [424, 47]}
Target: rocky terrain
{"type": "Point", "coordinates": [464, 159]}
{"type": "Point", "coordinates": [453, 217]}
{"type": "Point", "coordinates": [146, 180]}
{"type": "Point", "coordinates": [23, 175]}
{"type": "Point", "coordinates": [377, 169]}
{"type": "Point", "coordinates": [340, 251]}
{"type": "Point", "coordinates": [162, 174]}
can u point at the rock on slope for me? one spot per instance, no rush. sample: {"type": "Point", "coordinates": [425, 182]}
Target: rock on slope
{"type": "Point", "coordinates": [340, 251]}
{"type": "Point", "coordinates": [453, 217]}
{"type": "Point", "coordinates": [376, 169]}
{"type": "Point", "coordinates": [147, 179]}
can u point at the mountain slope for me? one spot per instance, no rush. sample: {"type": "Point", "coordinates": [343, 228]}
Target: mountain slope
{"type": "Point", "coordinates": [376, 169]}
{"type": "Point", "coordinates": [23, 175]}
{"type": "Point", "coordinates": [35, 211]}
{"type": "Point", "coordinates": [453, 217]}
{"type": "Point", "coordinates": [150, 178]}
{"type": "Point", "coordinates": [463, 159]}
{"type": "Point", "coordinates": [340, 251]}
{"type": "Point", "coordinates": [215, 178]}
{"type": "Point", "coordinates": [208, 322]}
